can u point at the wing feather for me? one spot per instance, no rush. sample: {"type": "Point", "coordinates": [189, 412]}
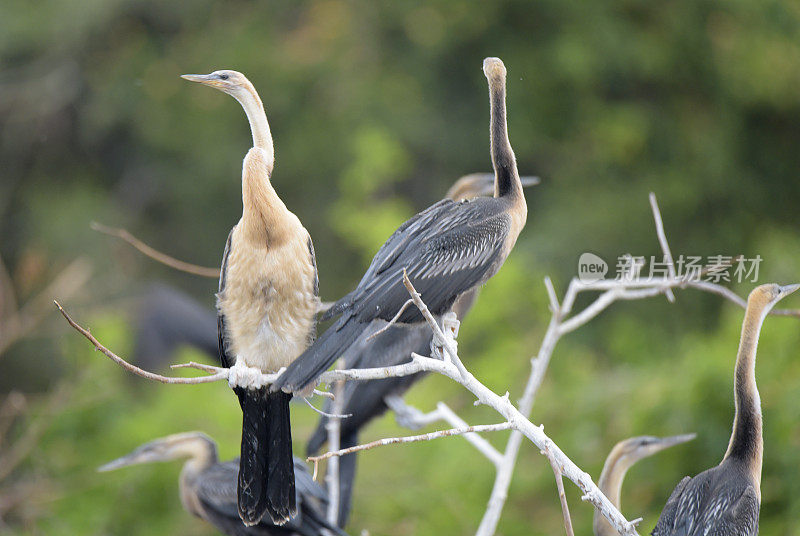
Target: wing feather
{"type": "Point", "coordinates": [224, 357]}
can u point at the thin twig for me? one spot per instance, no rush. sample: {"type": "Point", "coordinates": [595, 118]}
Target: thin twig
{"type": "Point", "coordinates": [133, 368]}
{"type": "Point", "coordinates": [154, 254]}
{"type": "Point", "coordinates": [414, 419]}
{"type": "Point", "coordinates": [561, 495]}
{"type": "Point", "coordinates": [413, 439]}
{"type": "Point", "coordinates": [662, 240]}
{"type": "Point", "coordinates": [393, 320]}
{"type": "Point", "coordinates": [335, 416]}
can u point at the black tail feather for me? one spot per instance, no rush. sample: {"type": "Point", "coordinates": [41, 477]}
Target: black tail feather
{"type": "Point", "coordinates": [253, 461]}
{"type": "Point", "coordinates": [266, 478]}
{"type": "Point", "coordinates": [281, 503]}
{"type": "Point", "coordinates": [319, 356]}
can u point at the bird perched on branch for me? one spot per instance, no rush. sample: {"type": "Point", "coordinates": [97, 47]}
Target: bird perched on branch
{"type": "Point", "coordinates": [267, 300]}
{"type": "Point", "coordinates": [726, 499]}
{"type": "Point", "coordinates": [446, 250]}
{"type": "Point", "coordinates": [208, 487]}
{"type": "Point", "coordinates": [365, 400]}
{"type": "Point", "coordinates": [620, 459]}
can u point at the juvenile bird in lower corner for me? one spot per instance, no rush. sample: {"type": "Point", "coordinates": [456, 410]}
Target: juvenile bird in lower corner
{"type": "Point", "coordinates": [621, 458]}
{"type": "Point", "coordinates": [726, 500]}
{"type": "Point", "coordinates": [267, 300]}
{"type": "Point", "coordinates": [208, 487]}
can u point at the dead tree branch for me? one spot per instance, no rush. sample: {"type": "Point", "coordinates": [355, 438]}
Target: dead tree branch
{"type": "Point", "coordinates": [154, 254]}
{"type": "Point", "coordinates": [561, 495]}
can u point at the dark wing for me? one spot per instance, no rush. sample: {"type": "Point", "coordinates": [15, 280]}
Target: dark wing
{"type": "Point", "coordinates": [731, 514]}
{"type": "Point", "coordinates": [667, 518]}
{"type": "Point", "coordinates": [692, 503]}
{"type": "Point", "coordinates": [314, 263]}
{"type": "Point", "coordinates": [449, 249]}
{"type": "Point", "coordinates": [716, 502]}
{"type": "Point", "coordinates": [388, 252]}
{"type": "Point", "coordinates": [224, 357]}
{"type": "Point", "coordinates": [216, 491]}
{"type": "Point", "coordinates": [216, 488]}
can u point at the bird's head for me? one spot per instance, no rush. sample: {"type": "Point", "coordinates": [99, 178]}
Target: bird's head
{"type": "Point", "coordinates": [494, 69]}
{"type": "Point", "coordinates": [196, 445]}
{"type": "Point", "coordinates": [231, 82]}
{"type": "Point", "coordinates": [640, 447]}
{"type": "Point", "coordinates": [764, 297]}
{"type": "Point", "coordinates": [480, 185]}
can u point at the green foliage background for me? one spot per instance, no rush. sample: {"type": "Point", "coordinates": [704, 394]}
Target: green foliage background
{"type": "Point", "coordinates": [376, 107]}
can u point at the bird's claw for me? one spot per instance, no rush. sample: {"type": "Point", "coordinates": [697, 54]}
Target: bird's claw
{"type": "Point", "coordinates": [450, 325]}
{"type": "Point", "coordinates": [240, 375]}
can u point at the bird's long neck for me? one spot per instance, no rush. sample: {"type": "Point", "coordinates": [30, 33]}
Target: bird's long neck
{"type": "Point", "coordinates": [507, 182]}
{"type": "Point", "coordinates": [746, 443]}
{"type": "Point", "coordinates": [265, 218]}
{"type": "Point", "coordinates": [259, 127]}
{"type": "Point", "coordinates": [202, 454]}
{"type": "Point", "coordinates": [264, 214]}
{"type": "Point", "coordinates": [610, 484]}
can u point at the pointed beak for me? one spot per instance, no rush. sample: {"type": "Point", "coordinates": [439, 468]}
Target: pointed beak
{"type": "Point", "coordinates": [529, 181]}
{"type": "Point", "coordinates": [130, 459]}
{"type": "Point", "coordinates": [667, 442]}
{"type": "Point", "coordinates": [206, 79]}
{"type": "Point", "coordinates": [147, 453]}
{"type": "Point", "coordinates": [788, 289]}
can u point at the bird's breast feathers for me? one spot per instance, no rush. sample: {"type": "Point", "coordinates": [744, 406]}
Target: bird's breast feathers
{"type": "Point", "coordinates": [269, 302]}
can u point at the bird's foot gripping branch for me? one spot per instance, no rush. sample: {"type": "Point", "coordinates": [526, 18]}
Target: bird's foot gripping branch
{"type": "Point", "coordinates": [515, 417]}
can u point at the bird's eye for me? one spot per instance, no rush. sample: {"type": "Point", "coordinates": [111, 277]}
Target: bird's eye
{"type": "Point", "coordinates": [223, 77]}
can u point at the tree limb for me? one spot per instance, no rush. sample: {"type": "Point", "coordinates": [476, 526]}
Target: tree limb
{"type": "Point", "coordinates": [154, 254]}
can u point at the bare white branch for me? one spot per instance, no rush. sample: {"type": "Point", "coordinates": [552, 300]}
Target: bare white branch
{"type": "Point", "coordinates": [662, 240]}
{"type": "Point", "coordinates": [413, 439]}
{"type": "Point", "coordinates": [412, 418]}
{"type": "Point", "coordinates": [561, 495]}
{"type": "Point", "coordinates": [334, 427]}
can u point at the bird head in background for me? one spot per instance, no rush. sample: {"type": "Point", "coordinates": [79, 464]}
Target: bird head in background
{"type": "Point", "coordinates": [230, 82]}
{"type": "Point", "coordinates": [480, 185]}
{"type": "Point", "coordinates": [767, 296]}
{"type": "Point", "coordinates": [636, 448]}
{"type": "Point", "coordinates": [185, 445]}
